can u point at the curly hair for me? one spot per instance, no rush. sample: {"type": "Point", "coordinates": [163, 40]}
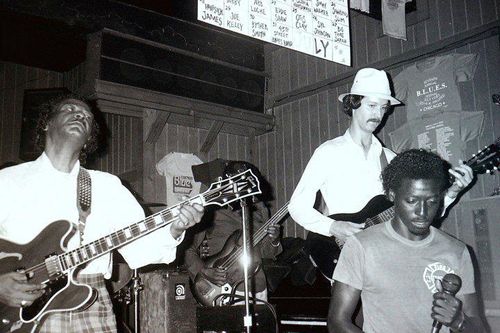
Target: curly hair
{"type": "Point", "coordinates": [416, 164]}
{"type": "Point", "coordinates": [351, 102]}
{"type": "Point", "coordinates": [48, 110]}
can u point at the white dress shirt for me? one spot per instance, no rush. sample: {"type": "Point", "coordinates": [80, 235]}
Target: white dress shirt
{"type": "Point", "coordinates": [34, 194]}
{"type": "Point", "coordinates": [346, 178]}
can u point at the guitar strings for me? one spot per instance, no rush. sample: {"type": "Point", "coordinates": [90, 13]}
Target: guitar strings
{"type": "Point", "coordinates": [259, 235]}
{"type": "Point", "coordinates": [208, 196]}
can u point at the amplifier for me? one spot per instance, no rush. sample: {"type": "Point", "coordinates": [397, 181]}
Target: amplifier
{"type": "Point", "coordinates": [229, 319]}
{"type": "Point", "coordinates": [166, 304]}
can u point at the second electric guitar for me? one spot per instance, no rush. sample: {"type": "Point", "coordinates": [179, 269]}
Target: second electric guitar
{"type": "Point", "coordinates": [325, 251]}
{"type": "Point", "coordinates": [206, 291]}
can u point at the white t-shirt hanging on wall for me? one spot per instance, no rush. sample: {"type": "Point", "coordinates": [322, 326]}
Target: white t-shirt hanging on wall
{"type": "Point", "coordinates": [176, 167]}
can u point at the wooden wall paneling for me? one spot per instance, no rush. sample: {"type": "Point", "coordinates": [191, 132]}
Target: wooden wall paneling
{"type": "Point", "coordinates": [359, 35]}
{"type": "Point", "coordinates": [301, 133]}
{"type": "Point", "coordinates": [301, 146]}
{"type": "Point", "coordinates": [444, 17]}
{"type": "Point", "coordinates": [293, 72]}
{"type": "Point", "coordinates": [302, 69]}
{"type": "Point", "coordinates": [311, 69]}
{"type": "Point", "coordinates": [321, 69]}
{"type": "Point", "coordinates": [489, 10]}
{"type": "Point", "coordinates": [458, 13]}
{"type": "Point", "coordinates": [432, 24]}
{"type": "Point", "coordinates": [314, 124]}
{"type": "Point", "coordinates": [492, 56]}
{"type": "Point", "coordinates": [383, 47]}
{"type": "Point", "coordinates": [482, 99]}
{"type": "Point", "coordinates": [193, 134]}
{"type": "Point", "coordinates": [395, 46]}
{"type": "Point", "coordinates": [323, 116]}
{"type": "Point", "coordinates": [331, 69]}
{"type": "Point", "coordinates": [332, 114]}
{"type": "Point", "coordinates": [409, 44]}
{"type": "Point", "coordinates": [372, 34]}
{"type": "Point", "coordinates": [223, 146]}
{"type": "Point", "coordinates": [232, 148]}
{"type": "Point", "coordinates": [473, 14]}
{"type": "Point", "coordinates": [421, 33]}
{"type": "Point", "coordinates": [288, 161]}
{"type": "Point", "coordinates": [271, 153]}
{"type": "Point", "coordinates": [279, 161]}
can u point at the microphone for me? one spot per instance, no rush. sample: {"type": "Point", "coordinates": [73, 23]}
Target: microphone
{"type": "Point", "coordinates": [451, 284]}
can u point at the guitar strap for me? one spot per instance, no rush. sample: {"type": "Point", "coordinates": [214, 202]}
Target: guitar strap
{"type": "Point", "coordinates": [83, 199]}
{"type": "Point", "coordinates": [383, 160]}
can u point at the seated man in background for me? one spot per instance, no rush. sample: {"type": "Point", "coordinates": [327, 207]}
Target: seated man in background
{"type": "Point", "coordinates": [395, 267]}
{"type": "Point", "coordinates": [213, 259]}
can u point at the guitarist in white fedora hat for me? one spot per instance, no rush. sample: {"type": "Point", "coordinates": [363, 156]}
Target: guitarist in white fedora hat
{"type": "Point", "coordinates": [346, 170]}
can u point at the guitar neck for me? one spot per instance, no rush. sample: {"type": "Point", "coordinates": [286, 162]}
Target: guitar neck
{"type": "Point", "coordinates": [106, 244]}
{"type": "Point", "coordinates": [261, 233]}
{"type": "Point", "coordinates": [258, 236]}
{"type": "Point", "coordinates": [382, 217]}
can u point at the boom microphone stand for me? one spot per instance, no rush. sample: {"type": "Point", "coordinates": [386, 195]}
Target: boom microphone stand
{"type": "Point", "coordinates": [247, 320]}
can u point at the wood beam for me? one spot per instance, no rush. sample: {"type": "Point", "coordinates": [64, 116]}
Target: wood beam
{"type": "Point", "coordinates": [157, 127]}
{"type": "Point", "coordinates": [211, 136]}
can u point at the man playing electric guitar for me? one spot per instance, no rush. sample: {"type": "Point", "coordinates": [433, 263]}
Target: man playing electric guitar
{"type": "Point", "coordinates": [346, 170]}
{"type": "Point", "coordinates": [220, 238]}
{"type": "Point", "coordinates": [37, 193]}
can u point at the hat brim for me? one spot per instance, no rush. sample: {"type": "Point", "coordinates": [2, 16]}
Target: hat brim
{"type": "Point", "coordinates": [391, 99]}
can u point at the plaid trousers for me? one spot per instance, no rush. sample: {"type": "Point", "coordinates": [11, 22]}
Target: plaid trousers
{"type": "Point", "coordinates": [98, 318]}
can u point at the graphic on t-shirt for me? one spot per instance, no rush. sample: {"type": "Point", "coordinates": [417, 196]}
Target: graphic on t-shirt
{"type": "Point", "coordinates": [445, 133]}
{"type": "Point", "coordinates": [431, 85]}
{"type": "Point", "coordinates": [182, 184]}
{"type": "Point", "coordinates": [176, 167]}
{"type": "Point", "coordinates": [435, 271]}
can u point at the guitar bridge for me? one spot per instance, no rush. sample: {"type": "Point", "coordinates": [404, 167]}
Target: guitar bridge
{"type": "Point", "coordinates": [53, 266]}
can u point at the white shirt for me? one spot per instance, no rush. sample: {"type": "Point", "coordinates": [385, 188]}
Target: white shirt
{"type": "Point", "coordinates": [34, 194]}
{"type": "Point", "coordinates": [346, 178]}
{"type": "Point", "coordinates": [176, 167]}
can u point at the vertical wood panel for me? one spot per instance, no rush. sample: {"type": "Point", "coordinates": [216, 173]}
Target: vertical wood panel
{"type": "Point", "coordinates": [459, 16]}
{"type": "Point", "coordinates": [444, 18]}
{"type": "Point", "coordinates": [321, 118]}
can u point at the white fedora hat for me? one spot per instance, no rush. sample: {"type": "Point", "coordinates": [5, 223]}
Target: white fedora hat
{"type": "Point", "coordinates": [371, 82]}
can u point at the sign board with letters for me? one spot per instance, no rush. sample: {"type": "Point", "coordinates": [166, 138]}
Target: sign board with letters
{"type": "Point", "coordinates": [316, 27]}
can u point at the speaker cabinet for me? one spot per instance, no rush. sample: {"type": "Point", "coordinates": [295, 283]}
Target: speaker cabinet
{"type": "Point", "coordinates": [166, 304]}
{"type": "Point", "coordinates": [230, 319]}
{"type": "Point", "coordinates": [33, 99]}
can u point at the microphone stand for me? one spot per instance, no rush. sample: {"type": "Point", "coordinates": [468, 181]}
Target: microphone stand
{"type": "Point", "coordinates": [137, 286]}
{"type": "Point", "coordinates": [247, 320]}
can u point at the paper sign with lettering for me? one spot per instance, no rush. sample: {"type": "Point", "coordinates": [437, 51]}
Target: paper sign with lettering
{"type": "Point", "coordinates": [316, 27]}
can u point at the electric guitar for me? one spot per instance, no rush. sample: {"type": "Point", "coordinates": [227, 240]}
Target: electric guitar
{"type": "Point", "coordinates": [205, 291]}
{"type": "Point", "coordinates": [325, 251]}
{"type": "Point", "coordinates": [47, 260]}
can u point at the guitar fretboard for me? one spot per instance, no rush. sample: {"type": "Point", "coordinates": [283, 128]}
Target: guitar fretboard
{"type": "Point", "coordinates": [226, 191]}
{"type": "Point", "coordinates": [258, 236]}
{"type": "Point", "coordinates": [382, 217]}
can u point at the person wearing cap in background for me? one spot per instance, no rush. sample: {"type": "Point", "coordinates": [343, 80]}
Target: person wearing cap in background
{"type": "Point", "coordinates": [346, 170]}
{"type": "Point", "coordinates": [215, 236]}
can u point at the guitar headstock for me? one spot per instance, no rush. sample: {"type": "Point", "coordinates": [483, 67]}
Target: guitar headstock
{"type": "Point", "coordinates": [239, 186]}
{"type": "Point", "coordinates": [487, 159]}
